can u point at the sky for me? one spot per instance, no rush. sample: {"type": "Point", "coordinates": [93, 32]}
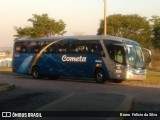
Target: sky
{"type": "Point", "coordinates": [80, 16]}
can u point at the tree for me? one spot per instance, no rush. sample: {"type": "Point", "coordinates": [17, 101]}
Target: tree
{"type": "Point", "coordinates": [42, 26]}
{"type": "Point", "coordinates": [128, 26]}
{"type": "Point", "coordinates": [156, 31]}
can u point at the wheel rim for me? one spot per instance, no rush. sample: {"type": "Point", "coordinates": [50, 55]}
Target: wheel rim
{"type": "Point", "coordinates": [99, 76]}
{"type": "Point", "coordinates": [36, 73]}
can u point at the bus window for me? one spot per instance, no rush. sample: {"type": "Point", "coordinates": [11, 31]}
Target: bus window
{"type": "Point", "coordinates": [62, 48]}
{"type": "Point", "coordinates": [17, 47]}
{"type": "Point", "coordinates": [78, 47]}
{"type": "Point", "coordinates": [52, 48]}
{"type": "Point", "coordinates": [116, 53]}
{"type": "Point", "coordinates": [21, 47]}
{"type": "Point", "coordinates": [44, 44]}
{"type": "Point", "coordinates": [35, 46]}
{"type": "Point", "coordinates": [95, 47]}
{"type": "Point", "coordinates": [119, 54]}
{"type": "Point", "coordinates": [135, 57]}
{"type": "Point", "coordinates": [110, 49]}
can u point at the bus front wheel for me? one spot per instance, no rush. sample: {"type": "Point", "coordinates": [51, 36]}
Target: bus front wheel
{"type": "Point", "coordinates": [99, 76]}
{"type": "Point", "coordinates": [36, 73]}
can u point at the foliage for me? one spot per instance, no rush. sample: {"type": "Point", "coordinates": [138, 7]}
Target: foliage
{"type": "Point", "coordinates": [129, 26]}
{"type": "Point", "coordinates": [42, 26]}
{"type": "Point", "coordinates": [156, 31]}
{"type": "Point", "coordinates": [155, 63]}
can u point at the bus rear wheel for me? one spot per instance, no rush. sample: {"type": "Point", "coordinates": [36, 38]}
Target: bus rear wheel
{"type": "Point", "coordinates": [36, 73]}
{"type": "Point", "coordinates": [99, 76]}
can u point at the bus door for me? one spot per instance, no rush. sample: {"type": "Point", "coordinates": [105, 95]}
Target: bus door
{"type": "Point", "coordinates": [120, 61]}
{"type": "Point", "coordinates": [117, 54]}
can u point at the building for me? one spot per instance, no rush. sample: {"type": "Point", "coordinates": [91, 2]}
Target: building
{"type": "Point", "coordinates": [6, 58]}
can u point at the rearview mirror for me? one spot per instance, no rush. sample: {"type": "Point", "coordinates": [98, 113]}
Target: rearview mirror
{"type": "Point", "coordinates": [147, 55]}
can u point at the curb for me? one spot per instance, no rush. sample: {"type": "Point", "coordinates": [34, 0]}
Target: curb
{"type": "Point", "coordinates": [6, 87]}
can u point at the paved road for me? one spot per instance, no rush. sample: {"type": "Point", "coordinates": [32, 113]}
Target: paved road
{"type": "Point", "coordinates": [30, 94]}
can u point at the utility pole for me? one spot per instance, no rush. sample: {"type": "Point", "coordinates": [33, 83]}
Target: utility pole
{"type": "Point", "coordinates": [105, 21]}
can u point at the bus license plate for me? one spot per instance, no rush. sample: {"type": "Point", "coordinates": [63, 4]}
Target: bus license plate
{"type": "Point", "coordinates": [118, 71]}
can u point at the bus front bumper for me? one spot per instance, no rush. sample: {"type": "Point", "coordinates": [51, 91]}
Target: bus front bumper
{"type": "Point", "coordinates": [138, 75]}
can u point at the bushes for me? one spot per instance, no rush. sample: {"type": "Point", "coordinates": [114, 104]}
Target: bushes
{"type": "Point", "coordinates": [155, 63]}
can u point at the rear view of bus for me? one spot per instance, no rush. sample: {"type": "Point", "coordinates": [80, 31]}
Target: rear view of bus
{"type": "Point", "coordinates": [98, 57]}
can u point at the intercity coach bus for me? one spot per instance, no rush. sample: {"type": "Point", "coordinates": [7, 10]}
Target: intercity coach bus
{"type": "Point", "coordinates": [98, 57]}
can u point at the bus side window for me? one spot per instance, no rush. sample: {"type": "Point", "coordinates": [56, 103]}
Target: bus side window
{"type": "Point", "coordinates": [110, 49]}
{"type": "Point", "coordinates": [17, 47]}
{"type": "Point", "coordinates": [78, 47]}
{"type": "Point", "coordinates": [62, 48]}
{"type": "Point", "coordinates": [96, 48]}
{"type": "Point", "coordinates": [72, 48]}
{"type": "Point", "coordinates": [35, 47]}
{"type": "Point", "coordinates": [21, 47]}
{"type": "Point", "coordinates": [51, 49]}
{"type": "Point", "coordinates": [43, 44]}
{"type": "Point", "coordinates": [24, 47]}
{"type": "Point", "coordinates": [119, 54]}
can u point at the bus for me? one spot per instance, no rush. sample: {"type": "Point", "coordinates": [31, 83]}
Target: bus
{"type": "Point", "coordinates": [93, 56]}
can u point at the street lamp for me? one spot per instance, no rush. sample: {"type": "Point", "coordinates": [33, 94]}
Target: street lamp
{"type": "Point", "coordinates": [105, 21]}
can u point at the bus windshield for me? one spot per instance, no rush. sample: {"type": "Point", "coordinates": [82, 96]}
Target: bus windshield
{"type": "Point", "coordinates": [134, 56]}
{"type": "Point", "coordinates": [126, 55]}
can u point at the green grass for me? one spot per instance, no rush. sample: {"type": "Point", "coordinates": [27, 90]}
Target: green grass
{"type": "Point", "coordinates": [5, 69]}
{"type": "Point", "coordinates": [153, 78]}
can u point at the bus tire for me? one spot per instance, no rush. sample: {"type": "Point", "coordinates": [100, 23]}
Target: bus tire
{"type": "Point", "coordinates": [36, 73]}
{"type": "Point", "coordinates": [99, 76]}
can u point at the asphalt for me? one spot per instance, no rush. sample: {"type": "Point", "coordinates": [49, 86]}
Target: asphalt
{"type": "Point", "coordinates": [83, 106]}
{"type": "Point", "coordinates": [6, 87]}
{"type": "Point", "coordinates": [89, 106]}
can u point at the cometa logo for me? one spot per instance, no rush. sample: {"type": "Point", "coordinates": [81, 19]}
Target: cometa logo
{"type": "Point", "coordinates": [65, 58]}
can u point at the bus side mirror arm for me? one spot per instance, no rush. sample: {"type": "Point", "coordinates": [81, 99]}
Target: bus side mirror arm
{"type": "Point", "coordinates": [149, 54]}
